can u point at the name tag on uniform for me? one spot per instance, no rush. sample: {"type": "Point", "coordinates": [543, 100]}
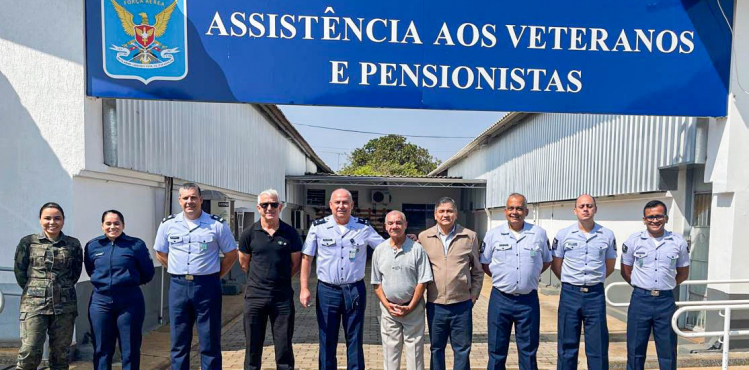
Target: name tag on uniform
{"type": "Point", "coordinates": [327, 242]}
{"type": "Point", "coordinates": [570, 245]}
{"type": "Point", "coordinates": [504, 247]}
{"type": "Point", "coordinates": [98, 254]}
{"type": "Point", "coordinates": [175, 238]}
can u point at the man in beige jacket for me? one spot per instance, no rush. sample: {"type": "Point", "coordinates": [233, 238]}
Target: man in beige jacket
{"type": "Point", "coordinates": [454, 255]}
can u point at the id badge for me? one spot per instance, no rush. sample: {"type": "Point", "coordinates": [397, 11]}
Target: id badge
{"type": "Point", "coordinates": [639, 262]}
{"type": "Point", "coordinates": [203, 247]}
{"type": "Point", "coordinates": [352, 254]}
{"type": "Point", "coordinates": [533, 253]}
{"type": "Point", "coordinates": [600, 252]}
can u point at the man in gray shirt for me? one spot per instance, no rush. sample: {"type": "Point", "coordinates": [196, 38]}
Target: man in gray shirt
{"type": "Point", "coordinates": [400, 271]}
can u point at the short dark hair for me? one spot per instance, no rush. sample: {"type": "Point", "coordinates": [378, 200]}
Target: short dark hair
{"type": "Point", "coordinates": [51, 205]}
{"type": "Point", "coordinates": [118, 213]}
{"type": "Point", "coordinates": [187, 186]}
{"type": "Point", "coordinates": [654, 204]}
{"type": "Point", "coordinates": [444, 200]}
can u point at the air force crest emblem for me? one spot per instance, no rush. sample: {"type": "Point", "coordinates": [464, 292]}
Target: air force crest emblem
{"type": "Point", "coordinates": [145, 40]}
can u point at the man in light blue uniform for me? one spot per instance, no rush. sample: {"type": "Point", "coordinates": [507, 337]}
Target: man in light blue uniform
{"type": "Point", "coordinates": [188, 244]}
{"type": "Point", "coordinates": [340, 243]}
{"type": "Point", "coordinates": [584, 255]}
{"type": "Point", "coordinates": [514, 255]}
{"type": "Point", "coordinates": [654, 262]}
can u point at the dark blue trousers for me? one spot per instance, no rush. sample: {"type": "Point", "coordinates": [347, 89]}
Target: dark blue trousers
{"type": "Point", "coordinates": [651, 313]}
{"type": "Point", "coordinates": [335, 303]}
{"type": "Point", "coordinates": [522, 311]}
{"type": "Point", "coordinates": [117, 316]}
{"type": "Point", "coordinates": [578, 308]}
{"type": "Point", "coordinates": [453, 321]}
{"type": "Point", "coordinates": [197, 301]}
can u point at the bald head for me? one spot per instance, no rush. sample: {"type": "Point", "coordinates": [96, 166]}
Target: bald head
{"type": "Point", "coordinates": [585, 210]}
{"type": "Point", "coordinates": [341, 203]}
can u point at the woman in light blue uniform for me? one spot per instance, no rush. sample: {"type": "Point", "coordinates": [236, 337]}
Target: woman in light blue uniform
{"type": "Point", "coordinates": [117, 264]}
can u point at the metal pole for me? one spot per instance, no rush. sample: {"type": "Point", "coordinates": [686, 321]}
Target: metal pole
{"type": "Point", "coordinates": [168, 187]}
{"type": "Point", "coordinates": [726, 336]}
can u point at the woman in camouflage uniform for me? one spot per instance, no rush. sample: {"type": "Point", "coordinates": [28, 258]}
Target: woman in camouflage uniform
{"type": "Point", "coordinates": [47, 266]}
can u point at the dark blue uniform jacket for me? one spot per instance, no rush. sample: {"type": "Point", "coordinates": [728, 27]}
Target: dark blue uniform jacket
{"type": "Point", "coordinates": [124, 263]}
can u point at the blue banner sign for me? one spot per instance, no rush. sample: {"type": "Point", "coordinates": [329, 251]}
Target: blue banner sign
{"type": "Point", "coordinates": [659, 57]}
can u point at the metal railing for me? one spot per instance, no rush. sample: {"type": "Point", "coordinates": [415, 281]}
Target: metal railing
{"type": "Point", "coordinates": [725, 334]}
{"type": "Point", "coordinates": [2, 295]}
{"type": "Point", "coordinates": [727, 306]}
{"type": "Point", "coordinates": [686, 303]}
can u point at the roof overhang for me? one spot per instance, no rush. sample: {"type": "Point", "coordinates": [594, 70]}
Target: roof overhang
{"type": "Point", "coordinates": [389, 181]}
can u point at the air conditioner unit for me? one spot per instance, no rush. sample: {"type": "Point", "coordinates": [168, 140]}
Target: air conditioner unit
{"type": "Point", "coordinates": [380, 197]}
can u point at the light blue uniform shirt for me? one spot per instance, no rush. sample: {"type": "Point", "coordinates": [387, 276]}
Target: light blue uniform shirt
{"type": "Point", "coordinates": [516, 264]}
{"type": "Point", "coordinates": [341, 255]}
{"type": "Point", "coordinates": [446, 239]}
{"type": "Point", "coordinates": [194, 250]}
{"type": "Point", "coordinates": [584, 256]}
{"type": "Point", "coordinates": [655, 265]}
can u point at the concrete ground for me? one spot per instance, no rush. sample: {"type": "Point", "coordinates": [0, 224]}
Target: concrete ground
{"type": "Point", "coordinates": [155, 349]}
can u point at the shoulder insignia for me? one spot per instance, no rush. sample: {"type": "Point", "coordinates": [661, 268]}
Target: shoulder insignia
{"type": "Point", "coordinates": [362, 221]}
{"type": "Point", "coordinates": [217, 218]}
{"type": "Point", "coordinates": [614, 244]}
{"type": "Point", "coordinates": [167, 218]}
{"type": "Point", "coordinates": [482, 247]}
{"type": "Point", "coordinates": [319, 221]}
{"type": "Point", "coordinates": [554, 244]}
{"type": "Point", "coordinates": [688, 248]}
{"type": "Point", "coordinates": [624, 248]}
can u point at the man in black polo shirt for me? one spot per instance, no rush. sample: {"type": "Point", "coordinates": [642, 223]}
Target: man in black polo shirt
{"type": "Point", "coordinates": [270, 253]}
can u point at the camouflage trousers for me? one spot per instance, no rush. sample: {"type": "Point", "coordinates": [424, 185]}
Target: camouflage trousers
{"type": "Point", "coordinates": [34, 331]}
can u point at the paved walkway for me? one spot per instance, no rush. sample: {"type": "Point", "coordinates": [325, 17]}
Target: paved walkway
{"type": "Point", "coordinates": [156, 344]}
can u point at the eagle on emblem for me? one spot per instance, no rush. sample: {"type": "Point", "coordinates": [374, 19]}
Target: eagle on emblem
{"type": "Point", "coordinates": [145, 34]}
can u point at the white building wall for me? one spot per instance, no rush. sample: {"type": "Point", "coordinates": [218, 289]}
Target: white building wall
{"type": "Point", "coordinates": [726, 169]}
{"type": "Point", "coordinates": [42, 107]}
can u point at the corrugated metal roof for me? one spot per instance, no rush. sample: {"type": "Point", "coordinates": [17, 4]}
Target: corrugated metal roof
{"type": "Point", "coordinates": [550, 157]}
{"type": "Point", "coordinates": [241, 147]}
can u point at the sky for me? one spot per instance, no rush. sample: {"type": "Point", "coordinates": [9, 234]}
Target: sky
{"type": "Point", "coordinates": [334, 146]}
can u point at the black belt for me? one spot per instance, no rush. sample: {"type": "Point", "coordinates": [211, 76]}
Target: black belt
{"type": "Point", "coordinates": [191, 277]}
{"type": "Point", "coordinates": [338, 286]}
{"type": "Point", "coordinates": [585, 288]}
{"type": "Point", "coordinates": [514, 294]}
{"type": "Point", "coordinates": [654, 292]}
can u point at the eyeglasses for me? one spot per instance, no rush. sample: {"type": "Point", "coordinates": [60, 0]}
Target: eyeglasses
{"type": "Point", "coordinates": [655, 217]}
{"type": "Point", "coordinates": [273, 205]}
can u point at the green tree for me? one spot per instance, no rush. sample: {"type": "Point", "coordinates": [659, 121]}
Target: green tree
{"type": "Point", "coordinates": [390, 155]}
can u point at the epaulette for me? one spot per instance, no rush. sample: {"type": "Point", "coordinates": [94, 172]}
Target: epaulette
{"type": "Point", "coordinates": [217, 218]}
{"type": "Point", "coordinates": [319, 221]}
{"type": "Point", "coordinates": [362, 221]}
{"type": "Point", "coordinates": [167, 218]}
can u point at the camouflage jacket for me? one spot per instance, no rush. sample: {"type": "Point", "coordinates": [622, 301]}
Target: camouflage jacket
{"type": "Point", "coordinates": [48, 271]}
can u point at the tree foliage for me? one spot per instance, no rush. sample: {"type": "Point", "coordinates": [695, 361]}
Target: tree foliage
{"type": "Point", "coordinates": [390, 155]}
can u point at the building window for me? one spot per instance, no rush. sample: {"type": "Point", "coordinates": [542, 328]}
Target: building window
{"type": "Point", "coordinates": [316, 197]}
{"type": "Point", "coordinates": [355, 196]}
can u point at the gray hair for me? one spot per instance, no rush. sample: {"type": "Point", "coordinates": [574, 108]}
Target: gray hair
{"type": "Point", "coordinates": [350, 197]}
{"type": "Point", "coordinates": [397, 212]}
{"type": "Point", "coordinates": [445, 200]}
{"type": "Point", "coordinates": [518, 195]}
{"type": "Point", "coordinates": [190, 185]}
{"type": "Point", "coordinates": [270, 193]}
